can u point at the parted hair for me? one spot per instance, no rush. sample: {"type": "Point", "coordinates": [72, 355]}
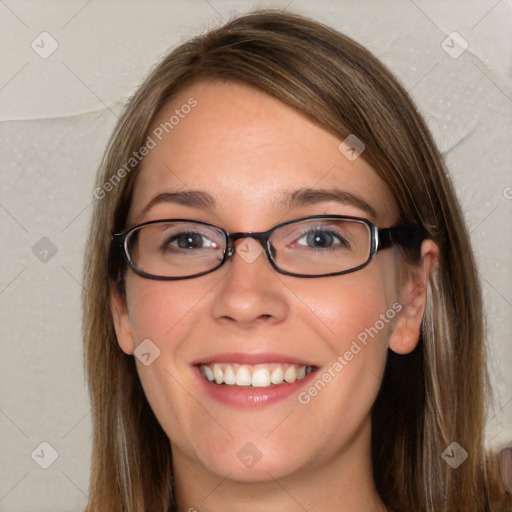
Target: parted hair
{"type": "Point", "coordinates": [429, 398]}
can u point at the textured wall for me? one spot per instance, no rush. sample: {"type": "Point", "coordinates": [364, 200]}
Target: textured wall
{"type": "Point", "coordinates": [57, 110]}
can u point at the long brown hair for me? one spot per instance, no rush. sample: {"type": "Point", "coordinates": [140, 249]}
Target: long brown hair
{"type": "Point", "coordinates": [428, 399]}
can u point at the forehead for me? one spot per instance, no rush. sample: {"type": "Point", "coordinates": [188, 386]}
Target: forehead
{"type": "Point", "coordinates": [246, 149]}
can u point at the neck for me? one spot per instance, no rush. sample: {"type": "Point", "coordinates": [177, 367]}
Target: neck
{"type": "Point", "coordinates": [342, 482]}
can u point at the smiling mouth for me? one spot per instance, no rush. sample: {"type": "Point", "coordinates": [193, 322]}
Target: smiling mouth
{"type": "Point", "coordinates": [257, 376]}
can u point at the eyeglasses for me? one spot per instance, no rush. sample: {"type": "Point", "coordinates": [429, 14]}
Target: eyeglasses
{"type": "Point", "coordinates": [315, 246]}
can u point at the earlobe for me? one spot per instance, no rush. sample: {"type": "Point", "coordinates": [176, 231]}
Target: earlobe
{"type": "Point", "coordinates": [122, 323]}
{"type": "Point", "coordinates": [406, 331]}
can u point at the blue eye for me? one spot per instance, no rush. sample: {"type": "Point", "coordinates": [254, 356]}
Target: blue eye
{"type": "Point", "coordinates": [323, 239]}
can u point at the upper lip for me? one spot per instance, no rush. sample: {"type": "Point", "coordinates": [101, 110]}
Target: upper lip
{"type": "Point", "coordinates": [252, 358]}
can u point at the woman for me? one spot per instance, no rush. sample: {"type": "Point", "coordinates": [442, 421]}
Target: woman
{"type": "Point", "coordinates": [293, 319]}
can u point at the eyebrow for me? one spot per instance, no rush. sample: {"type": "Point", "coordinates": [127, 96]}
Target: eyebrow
{"type": "Point", "coordinates": [307, 196]}
{"type": "Point", "coordinates": [297, 198]}
{"type": "Point", "coordinates": [193, 198]}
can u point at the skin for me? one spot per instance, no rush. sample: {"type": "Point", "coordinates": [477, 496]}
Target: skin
{"type": "Point", "coordinates": [246, 149]}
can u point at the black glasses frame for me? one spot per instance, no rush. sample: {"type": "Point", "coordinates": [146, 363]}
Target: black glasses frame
{"type": "Point", "coordinates": [381, 238]}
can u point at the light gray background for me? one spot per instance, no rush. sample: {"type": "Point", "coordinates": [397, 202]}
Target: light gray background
{"type": "Point", "coordinates": [57, 114]}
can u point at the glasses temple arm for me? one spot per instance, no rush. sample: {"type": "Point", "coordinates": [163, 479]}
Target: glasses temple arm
{"type": "Point", "coordinates": [403, 235]}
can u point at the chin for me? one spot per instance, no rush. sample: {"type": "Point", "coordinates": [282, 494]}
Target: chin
{"type": "Point", "coordinates": [251, 465]}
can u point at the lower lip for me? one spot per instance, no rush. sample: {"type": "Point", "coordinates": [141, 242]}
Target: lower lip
{"type": "Point", "coordinates": [239, 396]}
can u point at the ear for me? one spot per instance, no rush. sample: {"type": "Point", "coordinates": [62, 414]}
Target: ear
{"type": "Point", "coordinates": [413, 298]}
{"type": "Point", "coordinates": [122, 322]}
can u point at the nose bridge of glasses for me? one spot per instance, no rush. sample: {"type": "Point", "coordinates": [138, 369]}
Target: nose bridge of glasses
{"type": "Point", "coordinates": [260, 237]}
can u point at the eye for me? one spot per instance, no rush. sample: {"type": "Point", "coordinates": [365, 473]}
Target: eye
{"type": "Point", "coordinates": [188, 240]}
{"type": "Point", "coordinates": [322, 238]}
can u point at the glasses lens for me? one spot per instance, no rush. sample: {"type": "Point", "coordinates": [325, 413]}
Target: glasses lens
{"type": "Point", "coordinates": [321, 246]}
{"type": "Point", "coordinates": [175, 249]}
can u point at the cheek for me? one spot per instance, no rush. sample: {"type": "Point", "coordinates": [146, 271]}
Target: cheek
{"type": "Point", "coordinates": [161, 309]}
{"type": "Point", "coordinates": [357, 306]}
{"type": "Point", "coordinates": [165, 312]}
{"type": "Point", "coordinates": [354, 316]}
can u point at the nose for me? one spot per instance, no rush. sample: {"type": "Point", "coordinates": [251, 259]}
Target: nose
{"type": "Point", "coordinates": [250, 290]}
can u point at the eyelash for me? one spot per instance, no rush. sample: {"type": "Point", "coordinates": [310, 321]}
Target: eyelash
{"type": "Point", "coordinates": [343, 241]}
{"type": "Point", "coordinates": [175, 236]}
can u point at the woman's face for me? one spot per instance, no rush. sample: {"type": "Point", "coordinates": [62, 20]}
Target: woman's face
{"type": "Point", "coordinates": [248, 151]}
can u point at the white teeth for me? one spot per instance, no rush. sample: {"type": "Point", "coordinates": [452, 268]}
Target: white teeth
{"type": "Point", "coordinates": [261, 378]}
{"type": "Point", "coordinates": [243, 377]}
{"type": "Point", "coordinates": [229, 375]}
{"type": "Point", "coordinates": [218, 374]}
{"type": "Point", "coordinates": [207, 372]}
{"type": "Point", "coordinates": [277, 376]}
{"type": "Point", "coordinates": [258, 376]}
{"type": "Point", "coordinates": [290, 375]}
